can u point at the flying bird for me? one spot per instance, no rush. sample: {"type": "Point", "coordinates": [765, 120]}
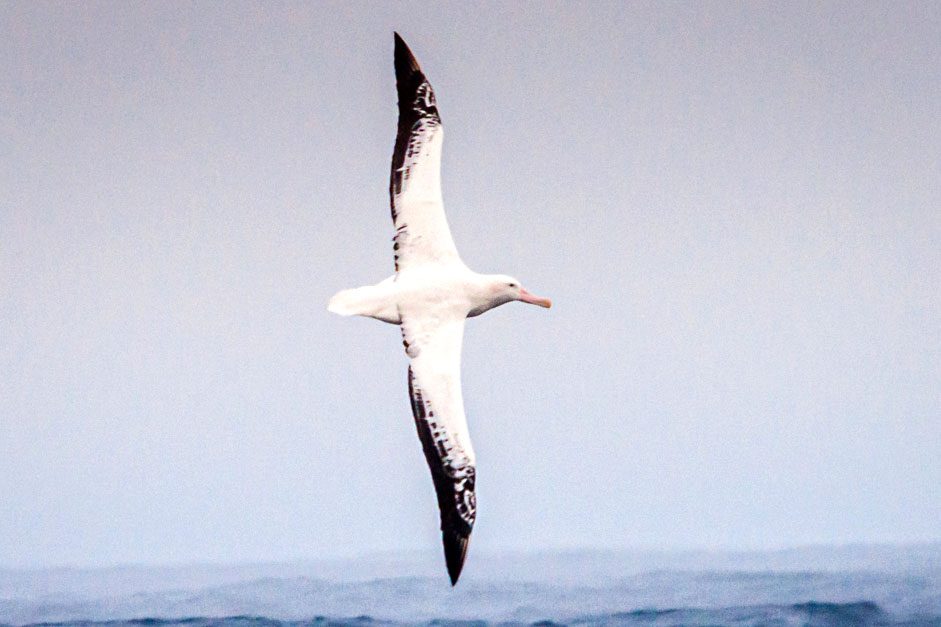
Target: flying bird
{"type": "Point", "coordinates": [430, 295]}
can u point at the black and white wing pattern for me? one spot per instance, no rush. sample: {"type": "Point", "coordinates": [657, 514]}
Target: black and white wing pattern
{"type": "Point", "coordinates": [434, 385]}
{"type": "Point", "coordinates": [421, 229]}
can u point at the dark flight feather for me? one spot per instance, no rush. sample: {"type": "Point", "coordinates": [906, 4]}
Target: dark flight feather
{"type": "Point", "coordinates": [418, 115]}
{"type": "Point", "coordinates": [454, 477]}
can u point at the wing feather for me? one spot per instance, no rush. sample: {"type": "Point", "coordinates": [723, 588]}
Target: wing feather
{"type": "Point", "coordinates": [421, 228]}
{"type": "Point", "coordinates": [434, 388]}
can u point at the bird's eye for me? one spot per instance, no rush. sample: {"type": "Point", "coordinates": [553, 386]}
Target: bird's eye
{"type": "Point", "coordinates": [512, 284]}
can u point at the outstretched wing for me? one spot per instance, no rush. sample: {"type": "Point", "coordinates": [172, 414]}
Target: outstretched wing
{"type": "Point", "coordinates": [421, 229]}
{"type": "Point", "coordinates": [434, 385]}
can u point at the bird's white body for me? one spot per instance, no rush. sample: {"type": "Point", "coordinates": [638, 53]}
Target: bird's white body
{"type": "Point", "coordinates": [452, 291]}
{"type": "Point", "coordinates": [430, 296]}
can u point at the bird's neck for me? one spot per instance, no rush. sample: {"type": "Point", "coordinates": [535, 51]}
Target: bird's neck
{"type": "Point", "coordinates": [483, 295]}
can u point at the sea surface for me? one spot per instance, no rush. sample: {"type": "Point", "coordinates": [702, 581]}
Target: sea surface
{"type": "Point", "coordinates": [857, 585]}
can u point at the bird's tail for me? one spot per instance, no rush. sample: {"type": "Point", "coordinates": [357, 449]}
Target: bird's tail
{"type": "Point", "coordinates": [375, 301]}
{"type": "Point", "coordinates": [346, 302]}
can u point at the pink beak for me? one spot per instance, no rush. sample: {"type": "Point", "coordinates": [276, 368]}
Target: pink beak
{"type": "Point", "coordinates": [532, 299]}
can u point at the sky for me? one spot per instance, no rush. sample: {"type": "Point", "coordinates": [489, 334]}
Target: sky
{"type": "Point", "coordinates": [735, 207]}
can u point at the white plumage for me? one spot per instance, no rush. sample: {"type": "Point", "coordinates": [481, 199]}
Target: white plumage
{"type": "Point", "coordinates": [430, 296]}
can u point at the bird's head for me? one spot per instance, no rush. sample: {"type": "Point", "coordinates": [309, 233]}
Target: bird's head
{"type": "Point", "coordinates": [505, 289]}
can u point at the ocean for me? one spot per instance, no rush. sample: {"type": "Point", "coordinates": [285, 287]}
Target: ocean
{"type": "Point", "coordinates": [857, 585]}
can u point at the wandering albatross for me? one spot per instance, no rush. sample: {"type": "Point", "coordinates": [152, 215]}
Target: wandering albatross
{"type": "Point", "coordinates": [430, 295]}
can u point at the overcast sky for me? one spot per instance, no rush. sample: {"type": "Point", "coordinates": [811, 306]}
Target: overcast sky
{"type": "Point", "coordinates": [736, 209]}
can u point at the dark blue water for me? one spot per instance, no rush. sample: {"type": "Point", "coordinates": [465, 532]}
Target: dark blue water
{"type": "Point", "coordinates": [859, 587]}
{"type": "Point", "coordinates": [810, 614]}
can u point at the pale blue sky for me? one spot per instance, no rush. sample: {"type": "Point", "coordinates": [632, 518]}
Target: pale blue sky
{"type": "Point", "coordinates": [736, 209]}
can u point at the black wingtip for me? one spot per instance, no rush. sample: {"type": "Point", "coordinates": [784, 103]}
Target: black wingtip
{"type": "Point", "coordinates": [455, 551]}
{"type": "Point", "coordinates": [405, 62]}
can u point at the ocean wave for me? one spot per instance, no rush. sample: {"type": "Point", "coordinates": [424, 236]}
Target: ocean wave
{"type": "Point", "coordinates": [218, 621]}
{"type": "Point", "coordinates": [810, 614]}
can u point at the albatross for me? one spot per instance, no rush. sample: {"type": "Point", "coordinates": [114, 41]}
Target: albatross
{"type": "Point", "coordinates": [430, 296]}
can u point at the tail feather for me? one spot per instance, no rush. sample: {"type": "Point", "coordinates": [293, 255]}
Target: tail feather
{"type": "Point", "coordinates": [344, 303]}
{"type": "Point", "coordinates": [375, 301]}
